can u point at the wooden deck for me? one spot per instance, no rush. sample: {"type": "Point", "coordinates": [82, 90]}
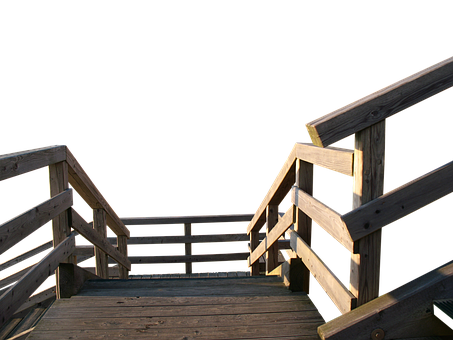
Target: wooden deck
{"type": "Point", "coordinates": [194, 308]}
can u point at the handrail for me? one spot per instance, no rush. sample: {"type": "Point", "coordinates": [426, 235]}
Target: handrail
{"type": "Point", "coordinates": [382, 104]}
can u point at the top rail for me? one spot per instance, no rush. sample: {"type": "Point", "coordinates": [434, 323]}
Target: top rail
{"type": "Point", "coordinates": [382, 104]}
{"type": "Point", "coordinates": [186, 219]}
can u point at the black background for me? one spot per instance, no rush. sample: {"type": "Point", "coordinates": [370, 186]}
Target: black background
{"type": "Point", "coordinates": [202, 127]}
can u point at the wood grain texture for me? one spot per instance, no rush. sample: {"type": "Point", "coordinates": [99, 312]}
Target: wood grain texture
{"type": "Point", "coordinates": [17, 294]}
{"type": "Point", "coordinates": [220, 308]}
{"type": "Point", "coordinates": [272, 218]}
{"type": "Point", "coordinates": [101, 258]}
{"type": "Point", "coordinates": [381, 105]}
{"type": "Point", "coordinates": [121, 240]}
{"type": "Point", "coordinates": [91, 235]}
{"type": "Point", "coordinates": [190, 258]}
{"type": "Point", "coordinates": [22, 162]}
{"type": "Point", "coordinates": [186, 219]}
{"type": "Point", "coordinates": [400, 202]}
{"type": "Point", "coordinates": [21, 226]}
{"type": "Point", "coordinates": [406, 312]}
{"type": "Point", "coordinates": [26, 255]}
{"type": "Point", "coordinates": [88, 191]}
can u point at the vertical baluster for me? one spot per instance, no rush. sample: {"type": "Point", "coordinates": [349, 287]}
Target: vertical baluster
{"type": "Point", "coordinates": [368, 184]}
{"type": "Point", "coordinates": [188, 246]}
{"type": "Point", "coordinates": [122, 248]}
{"type": "Point", "coordinates": [61, 225]}
{"type": "Point", "coordinates": [100, 225]}
{"type": "Point", "coordinates": [272, 252]}
{"type": "Point", "coordinates": [254, 242]}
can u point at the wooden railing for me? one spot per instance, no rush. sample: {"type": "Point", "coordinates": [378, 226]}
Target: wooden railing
{"type": "Point", "coordinates": [63, 170]}
{"type": "Point", "coordinates": [359, 231]}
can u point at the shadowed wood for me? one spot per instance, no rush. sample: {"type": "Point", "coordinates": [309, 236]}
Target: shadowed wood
{"type": "Point", "coordinates": [26, 255]}
{"type": "Point", "coordinates": [21, 226]}
{"type": "Point", "coordinates": [382, 104]}
{"type": "Point", "coordinates": [17, 294]}
{"type": "Point", "coordinates": [100, 225]}
{"type": "Point", "coordinates": [327, 218]}
{"type": "Point", "coordinates": [406, 312]}
{"type": "Point", "coordinates": [121, 241]}
{"type": "Point", "coordinates": [86, 188]}
{"type": "Point", "coordinates": [400, 202]}
{"type": "Point", "coordinates": [186, 219]}
{"type": "Point", "coordinates": [22, 162]}
{"type": "Point", "coordinates": [272, 218]}
{"type": "Point", "coordinates": [91, 235]}
{"type": "Point", "coordinates": [184, 258]}
{"type": "Point", "coordinates": [219, 308]}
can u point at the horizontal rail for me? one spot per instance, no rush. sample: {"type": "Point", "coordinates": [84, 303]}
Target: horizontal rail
{"type": "Point", "coordinates": [20, 227]}
{"type": "Point", "coordinates": [88, 191]}
{"type": "Point", "coordinates": [400, 202]}
{"type": "Point", "coordinates": [16, 295]}
{"type": "Point", "coordinates": [187, 258]}
{"type": "Point", "coordinates": [276, 232]}
{"type": "Point", "coordinates": [84, 229]}
{"type": "Point", "coordinates": [340, 295]}
{"type": "Point", "coordinates": [325, 217]}
{"type": "Point", "coordinates": [19, 163]}
{"type": "Point", "coordinates": [381, 105]}
{"type": "Point", "coordinates": [340, 160]}
{"type": "Point", "coordinates": [13, 277]}
{"type": "Point", "coordinates": [186, 219]}
{"type": "Point", "coordinates": [26, 255]}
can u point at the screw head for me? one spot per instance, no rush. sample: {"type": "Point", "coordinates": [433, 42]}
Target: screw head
{"type": "Point", "coordinates": [377, 334]}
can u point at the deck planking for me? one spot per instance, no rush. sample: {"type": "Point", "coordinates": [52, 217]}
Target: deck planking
{"type": "Point", "coordinates": [184, 309]}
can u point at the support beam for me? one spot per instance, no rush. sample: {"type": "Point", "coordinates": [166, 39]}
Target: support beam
{"type": "Point", "coordinates": [100, 225]}
{"type": "Point", "coordinates": [272, 251]}
{"type": "Point", "coordinates": [188, 246]}
{"type": "Point", "coordinates": [368, 185]}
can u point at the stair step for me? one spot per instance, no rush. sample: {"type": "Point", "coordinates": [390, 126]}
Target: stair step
{"type": "Point", "coordinates": [443, 310]}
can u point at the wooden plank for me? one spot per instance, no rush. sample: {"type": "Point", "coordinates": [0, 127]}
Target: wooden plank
{"type": "Point", "coordinates": [16, 295]}
{"type": "Point", "coordinates": [254, 243]}
{"type": "Point", "coordinates": [337, 159]}
{"type": "Point", "coordinates": [100, 225]}
{"type": "Point", "coordinates": [26, 255]}
{"type": "Point", "coordinates": [406, 312]}
{"type": "Point", "coordinates": [382, 104]}
{"type": "Point", "coordinates": [13, 277]}
{"type": "Point", "coordinates": [303, 222]}
{"type": "Point", "coordinates": [184, 259]}
{"type": "Point", "coordinates": [279, 189]}
{"type": "Point", "coordinates": [48, 294]}
{"type": "Point", "coordinates": [400, 202]}
{"type": "Point", "coordinates": [272, 249]}
{"type": "Point", "coordinates": [91, 235]}
{"type": "Point", "coordinates": [21, 226]}
{"type": "Point", "coordinates": [188, 247]}
{"type": "Point", "coordinates": [186, 219]}
{"type": "Point", "coordinates": [122, 248]}
{"type": "Point", "coordinates": [273, 236]}
{"type": "Point", "coordinates": [340, 295]}
{"type": "Point", "coordinates": [369, 157]}
{"type": "Point", "coordinates": [85, 187]}
{"type": "Point", "coordinates": [14, 164]}
{"type": "Point", "coordinates": [327, 218]}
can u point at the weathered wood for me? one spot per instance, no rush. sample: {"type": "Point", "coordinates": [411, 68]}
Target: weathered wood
{"type": "Point", "coordinates": [100, 225]}
{"type": "Point", "coordinates": [191, 258]}
{"type": "Point", "coordinates": [303, 223]}
{"type": "Point", "coordinates": [368, 184]}
{"type": "Point", "coordinates": [48, 294]}
{"type": "Point", "coordinates": [292, 274]}
{"type": "Point", "coordinates": [406, 312]}
{"type": "Point", "coordinates": [91, 235]}
{"type": "Point", "coordinates": [254, 243]}
{"type": "Point", "coordinates": [26, 255]}
{"type": "Point", "coordinates": [22, 162]}
{"type": "Point", "coordinates": [327, 218]}
{"type": "Point", "coordinates": [340, 295]}
{"type": "Point", "coordinates": [188, 246]}
{"type": "Point", "coordinates": [279, 189]}
{"type": "Point", "coordinates": [85, 187]}
{"type": "Point", "coordinates": [21, 226]}
{"type": "Point", "coordinates": [122, 248]}
{"type": "Point", "coordinates": [186, 219]}
{"type": "Point", "coordinates": [381, 105]}
{"type": "Point", "coordinates": [72, 279]}
{"type": "Point", "coordinates": [337, 159]}
{"type": "Point", "coordinates": [400, 202]}
{"type": "Point", "coordinates": [272, 249]}
{"type": "Point", "coordinates": [13, 278]}
{"type": "Point", "coordinates": [17, 294]}
{"type": "Point", "coordinates": [271, 239]}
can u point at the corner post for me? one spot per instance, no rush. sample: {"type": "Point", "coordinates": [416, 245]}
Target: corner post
{"type": "Point", "coordinates": [100, 225]}
{"type": "Point", "coordinates": [369, 157]}
{"type": "Point", "coordinates": [122, 248]}
{"type": "Point", "coordinates": [304, 181]}
{"type": "Point", "coordinates": [61, 225]}
{"type": "Point", "coordinates": [188, 246]}
{"type": "Point", "coordinates": [254, 242]}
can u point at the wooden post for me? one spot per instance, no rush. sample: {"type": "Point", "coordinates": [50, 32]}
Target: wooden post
{"type": "Point", "coordinates": [368, 184]}
{"type": "Point", "coordinates": [61, 227]}
{"type": "Point", "coordinates": [188, 246]}
{"type": "Point", "coordinates": [100, 225]}
{"type": "Point", "coordinates": [304, 181]}
{"type": "Point", "coordinates": [272, 252]}
{"type": "Point", "coordinates": [254, 242]}
{"type": "Point", "coordinates": [122, 248]}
